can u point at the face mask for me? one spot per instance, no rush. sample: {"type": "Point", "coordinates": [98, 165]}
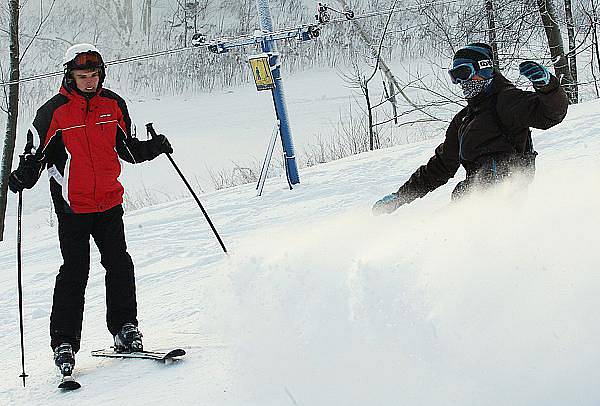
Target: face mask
{"type": "Point", "coordinates": [472, 88]}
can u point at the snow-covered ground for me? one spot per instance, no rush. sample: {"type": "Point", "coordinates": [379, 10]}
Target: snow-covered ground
{"type": "Point", "coordinates": [491, 301]}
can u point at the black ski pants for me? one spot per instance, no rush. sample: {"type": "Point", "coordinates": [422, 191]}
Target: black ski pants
{"type": "Point", "coordinates": [74, 232]}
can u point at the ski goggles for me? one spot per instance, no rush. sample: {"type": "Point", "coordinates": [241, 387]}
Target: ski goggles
{"type": "Point", "coordinates": [464, 70]}
{"type": "Point", "coordinates": [87, 60]}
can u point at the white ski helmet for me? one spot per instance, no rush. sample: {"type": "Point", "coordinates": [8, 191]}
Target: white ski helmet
{"type": "Point", "coordinates": [77, 49]}
{"type": "Point", "coordinates": [93, 60]}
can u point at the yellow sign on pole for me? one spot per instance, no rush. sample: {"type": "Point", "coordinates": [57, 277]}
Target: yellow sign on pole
{"type": "Point", "coordinates": [262, 72]}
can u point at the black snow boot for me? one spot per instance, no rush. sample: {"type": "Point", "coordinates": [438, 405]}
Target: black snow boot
{"type": "Point", "coordinates": [64, 358]}
{"type": "Point", "coordinates": [129, 339]}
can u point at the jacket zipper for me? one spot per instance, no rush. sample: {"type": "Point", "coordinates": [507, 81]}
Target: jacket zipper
{"type": "Point", "coordinates": [87, 110]}
{"type": "Point", "coordinates": [461, 136]}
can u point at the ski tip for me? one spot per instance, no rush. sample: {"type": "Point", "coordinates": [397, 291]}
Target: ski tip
{"type": "Point", "coordinates": [69, 384]}
{"type": "Point", "coordinates": [179, 352]}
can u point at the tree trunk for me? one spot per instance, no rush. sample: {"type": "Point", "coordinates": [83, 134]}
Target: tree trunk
{"type": "Point", "coordinates": [491, 20]}
{"type": "Point", "coordinates": [185, 25]}
{"type": "Point", "coordinates": [595, 22]}
{"type": "Point", "coordinates": [593, 70]}
{"type": "Point", "coordinates": [128, 7]}
{"type": "Point", "coordinates": [148, 19]}
{"type": "Point", "coordinates": [145, 28]}
{"type": "Point", "coordinates": [555, 43]}
{"type": "Point", "coordinates": [13, 111]}
{"type": "Point", "coordinates": [120, 15]}
{"type": "Point", "coordinates": [390, 94]}
{"type": "Point", "coordinates": [124, 14]}
{"type": "Point", "coordinates": [365, 88]}
{"type": "Point", "coordinates": [572, 57]}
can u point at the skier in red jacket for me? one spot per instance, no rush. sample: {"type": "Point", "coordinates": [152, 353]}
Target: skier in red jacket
{"type": "Point", "coordinates": [78, 136]}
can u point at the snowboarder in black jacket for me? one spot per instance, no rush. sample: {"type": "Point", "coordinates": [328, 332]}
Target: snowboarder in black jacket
{"type": "Point", "coordinates": [491, 136]}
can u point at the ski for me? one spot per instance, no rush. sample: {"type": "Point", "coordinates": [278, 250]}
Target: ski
{"type": "Point", "coordinates": [154, 355]}
{"type": "Point", "coordinates": [68, 383]}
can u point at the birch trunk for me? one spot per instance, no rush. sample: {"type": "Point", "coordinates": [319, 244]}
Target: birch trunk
{"type": "Point", "coordinates": [13, 111]}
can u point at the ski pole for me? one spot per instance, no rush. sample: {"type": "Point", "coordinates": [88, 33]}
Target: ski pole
{"type": "Point", "coordinates": [19, 282]}
{"type": "Point", "coordinates": [152, 133]}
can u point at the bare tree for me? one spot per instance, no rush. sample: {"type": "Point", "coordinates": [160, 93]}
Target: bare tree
{"type": "Point", "coordinates": [188, 17]}
{"type": "Point", "coordinates": [243, 10]}
{"type": "Point", "coordinates": [123, 11]}
{"type": "Point", "coordinates": [43, 19]}
{"type": "Point", "coordinates": [592, 16]}
{"type": "Point", "coordinates": [555, 44]}
{"type": "Point", "coordinates": [363, 81]}
{"type": "Point", "coordinates": [147, 19]}
{"type": "Point", "coordinates": [125, 17]}
{"type": "Point", "coordinates": [491, 21]}
{"type": "Point", "coordinates": [572, 56]}
{"type": "Point", "coordinates": [381, 63]}
{"type": "Point", "coordinates": [13, 111]}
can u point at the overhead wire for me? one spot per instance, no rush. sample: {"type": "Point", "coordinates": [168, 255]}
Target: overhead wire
{"type": "Point", "coordinates": [391, 11]}
{"type": "Point", "coordinates": [114, 62]}
{"type": "Point", "coordinates": [187, 48]}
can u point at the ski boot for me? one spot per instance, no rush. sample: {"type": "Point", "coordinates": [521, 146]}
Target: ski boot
{"type": "Point", "coordinates": [129, 339]}
{"type": "Point", "coordinates": [64, 358]}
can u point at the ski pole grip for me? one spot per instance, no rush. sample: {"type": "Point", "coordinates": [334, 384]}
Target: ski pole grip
{"type": "Point", "coordinates": [150, 130]}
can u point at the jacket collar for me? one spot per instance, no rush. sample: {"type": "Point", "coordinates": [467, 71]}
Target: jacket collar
{"type": "Point", "coordinates": [74, 93]}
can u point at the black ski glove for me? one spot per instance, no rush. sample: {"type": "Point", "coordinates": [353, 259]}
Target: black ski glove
{"type": "Point", "coordinates": [26, 174]}
{"type": "Point", "coordinates": [536, 73]}
{"type": "Point", "coordinates": [160, 144]}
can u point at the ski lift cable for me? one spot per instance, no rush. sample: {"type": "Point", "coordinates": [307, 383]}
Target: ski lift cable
{"type": "Point", "coordinates": [114, 62]}
{"type": "Point", "coordinates": [221, 45]}
{"type": "Point", "coordinates": [349, 14]}
{"type": "Point", "coordinates": [148, 56]}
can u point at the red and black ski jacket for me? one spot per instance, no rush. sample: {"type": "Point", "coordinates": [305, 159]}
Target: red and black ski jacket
{"type": "Point", "coordinates": [79, 140]}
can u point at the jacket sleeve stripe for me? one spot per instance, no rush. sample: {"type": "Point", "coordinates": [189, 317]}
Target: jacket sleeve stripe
{"type": "Point", "coordinates": [34, 136]}
{"type": "Point", "coordinates": [106, 122]}
{"type": "Point", "coordinates": [48, 139]}
{"type": "Point", "coordinates": [124, 141]}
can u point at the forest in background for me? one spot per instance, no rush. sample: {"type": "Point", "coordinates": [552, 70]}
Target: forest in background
{"type": "Point", "coordinates": [124, 28]}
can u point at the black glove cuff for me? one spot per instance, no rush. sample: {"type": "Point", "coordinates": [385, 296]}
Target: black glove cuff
{"type": "Point", "coordinates": [550, 87]}
{"type": "Point", "coordinates": [406, 195]}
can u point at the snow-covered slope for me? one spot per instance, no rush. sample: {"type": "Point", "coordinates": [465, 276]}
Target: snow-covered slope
{"type": "Point", "coordinates": [490, 301]}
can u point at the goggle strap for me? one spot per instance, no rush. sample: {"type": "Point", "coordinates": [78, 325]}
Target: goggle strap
{"type": "Point", "coordinates": [485, 63]}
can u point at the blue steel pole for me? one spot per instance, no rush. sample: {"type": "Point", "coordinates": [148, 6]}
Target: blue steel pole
{"type": "Point", "coordinates": [269, 46]}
